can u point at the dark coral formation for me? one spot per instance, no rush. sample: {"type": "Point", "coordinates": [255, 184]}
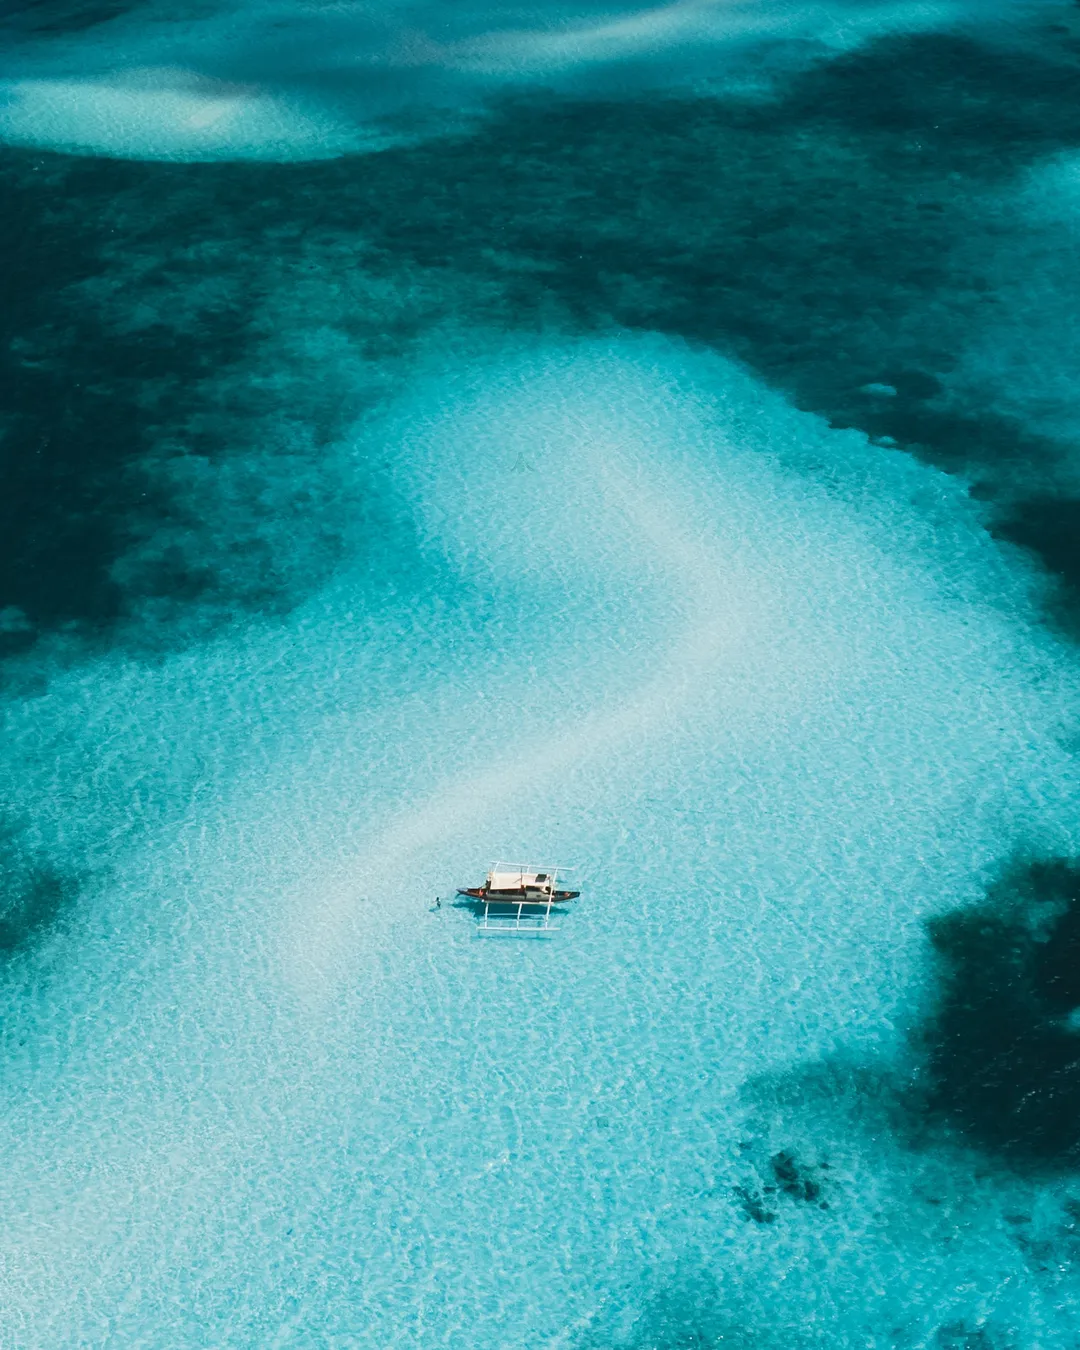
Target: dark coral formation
{"type": "Point", "coordinates": [753, 1204]}
{"type": "Point", "coordinates": [796, 1179]}
{"type": "Point", "coordinates": [792, 1178]}
{"type": "Point", "coordinates": [957, 1336]}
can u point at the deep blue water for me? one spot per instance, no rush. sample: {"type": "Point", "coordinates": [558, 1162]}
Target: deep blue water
{"type": "Point", "coordinates": [648, 440]}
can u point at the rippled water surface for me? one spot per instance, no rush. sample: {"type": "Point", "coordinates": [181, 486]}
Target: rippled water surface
{"type": "Point", "coordinates": [647, 440]}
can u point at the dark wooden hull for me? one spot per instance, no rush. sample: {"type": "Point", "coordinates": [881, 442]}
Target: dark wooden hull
{"type": "Point", "coordinates": [514, 897]}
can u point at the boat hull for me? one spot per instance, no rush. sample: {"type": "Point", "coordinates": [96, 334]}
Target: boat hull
{"type": "Point", "coordinates": [516, 897]}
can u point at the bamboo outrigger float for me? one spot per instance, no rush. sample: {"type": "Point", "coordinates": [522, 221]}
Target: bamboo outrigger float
{"type": "Point", "coordinates": [518, 899]}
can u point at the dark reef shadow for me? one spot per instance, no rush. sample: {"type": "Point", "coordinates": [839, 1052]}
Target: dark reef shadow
{"type": "Point", "coordinates": [688, 1311]}
{"type": "Point", "coordinates": [1002, 1045]}
{"type": "Point", "coordinates": [53, 18]}
{"type": "Point", "coordinates": [34, 893]}
{"type": "Point", "coordinates": [1050, 527]}
{"type": "Point", "coordinates": [993, 1065]}
{"type": "Point", "coordinates": [982, 1106]}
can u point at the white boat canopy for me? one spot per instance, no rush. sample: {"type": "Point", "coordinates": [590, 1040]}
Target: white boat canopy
{"type": "Point", "coordinates": [521, 876]}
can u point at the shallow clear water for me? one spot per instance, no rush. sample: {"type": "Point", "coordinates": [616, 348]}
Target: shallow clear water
{"type": "Point", "coordinates": [641, 478]}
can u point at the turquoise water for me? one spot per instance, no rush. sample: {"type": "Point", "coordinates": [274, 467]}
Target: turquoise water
{"type": "Point", "coordinates": [402, 512]}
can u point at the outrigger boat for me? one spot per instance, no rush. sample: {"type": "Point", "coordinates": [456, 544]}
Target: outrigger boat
{"type": "Point", "coordinates": [521, 895]}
